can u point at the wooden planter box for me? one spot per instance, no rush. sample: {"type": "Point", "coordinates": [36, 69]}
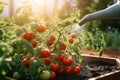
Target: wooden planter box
{"type": "Point", "coordinates": [109, 76]}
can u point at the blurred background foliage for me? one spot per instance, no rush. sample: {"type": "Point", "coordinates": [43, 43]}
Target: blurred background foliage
{"type": "Point", "coordinates": [72, 9]}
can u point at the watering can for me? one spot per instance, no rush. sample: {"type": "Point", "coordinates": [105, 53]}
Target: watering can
{"type": "Point", "coordinates": [112, 12]}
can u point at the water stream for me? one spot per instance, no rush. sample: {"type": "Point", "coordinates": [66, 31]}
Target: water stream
{"type": "Point", "coordinates": [77, 27]}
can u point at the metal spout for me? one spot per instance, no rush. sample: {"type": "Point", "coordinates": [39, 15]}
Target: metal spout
{"type": "Point", "coordinates": [112, 12]}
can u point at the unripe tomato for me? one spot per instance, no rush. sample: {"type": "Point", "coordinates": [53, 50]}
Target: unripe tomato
{"type": "Point", "coordinates": [41, 28]}
{"type": "Point", "coordinates": [71, 40]}
{"type": "Point", "coordinates": [53, 75]}
{"type": "Point", "coordinates": [76, 69]}
{"type": "Point", "coordinates": [45, 75]}
{"type": "Point", "coordinates": [45, 53]}
{"type": "Point", "coordinates": [89, 47]}
{"type": "Point", "coordinates": [16, 75]}
{"type": "Point", "coordinates": [55, 67]}
{"type": "Point", "coordinates": [67, 61]}
{"type": "Point", "coordinates": [73, 35]}
{"type": "Point", "coordinates": [47, 61]}
{"type": "Point", "coordinates": [26, 62]}
{"type": "Point", "coordinates": [28, 36]}
{"type": "Point", "coordinates": [68, 70]}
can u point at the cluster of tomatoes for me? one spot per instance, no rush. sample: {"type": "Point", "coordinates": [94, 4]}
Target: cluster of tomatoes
{"type": "Point", "coordinates": [58, 61]}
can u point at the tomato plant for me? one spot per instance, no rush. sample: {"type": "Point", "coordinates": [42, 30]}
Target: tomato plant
{"type": "Point", "coordinates": [41, 51]}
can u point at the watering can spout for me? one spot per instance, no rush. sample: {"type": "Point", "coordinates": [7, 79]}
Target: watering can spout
{"type": "Point", "coordinates": [112, 12]}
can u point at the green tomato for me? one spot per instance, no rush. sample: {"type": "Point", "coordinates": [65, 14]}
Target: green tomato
{"type": "Point", "coordinates": [45, 75]}
{"type": "Point", "coordinates": [89, 47]}
{"type": "Point", "coordinates": [16, 75]}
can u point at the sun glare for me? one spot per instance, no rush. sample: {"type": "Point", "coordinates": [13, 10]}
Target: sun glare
{"type": "Point", "coordinates": [38, 2]}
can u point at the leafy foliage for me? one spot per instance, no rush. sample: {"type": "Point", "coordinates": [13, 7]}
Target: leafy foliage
{"type": "Point", "coordinates": [112, 37]}
{"type": "Point", "coordinates": [2, 5]}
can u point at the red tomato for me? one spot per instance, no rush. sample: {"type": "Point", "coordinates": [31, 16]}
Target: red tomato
{"type": "Point", "coordinates": [76, 69]}
{"type": "Point", "coordinates": [61, 71]}
{"type": "Point", "coordinates": [68, 70]}
{"type": "Point", "coordinates": [61, 57]}
{"type": "Point", "coordinates": [53, 75]}
{"type": "Point", "coordinates": [71, 40]}
{"type": "Point", "coordinates": [41, 28]}
{"type": "Point", "coordinates": [34, 43]}
{"type": "Point", "coordinates": [47, 61]}
{"type": "Point", "coordinates": [49, 43]}
{"type": "Point", "coordinates": [45, 53]}
{"type": "Point", "coordinates": [68, 61]}
{"type": "Point", "coordinates": [26, 62]}
{"type": "Point", "coordinates": [52, 38]}
{"type": "Point", "coordinates": [55, 67]}
{"type": "Point", "coordinates": [62, 46]}
{"type": "Point", "coordinates": [28, 36]}
{"type": "Point", "coordinates": [73, 35]}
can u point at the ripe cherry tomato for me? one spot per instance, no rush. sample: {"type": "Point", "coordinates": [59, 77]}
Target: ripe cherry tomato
{"type": "Point", "coordinates": [34, 43]}
{"type": "Point", "coordinates": [41, 28]}
{"type": "Point", "coordinates": [76, 69]}
{"type": "Point", "coordinates": [61, 57]}
{"type": "Point", "coordinates": [73, 35]}
{"type": "Point", "coordinates": [55, 67]}
{"type": "Point", "coordinates": [52, 38]}
{"type": "Point", "coordinates": [26, 62]}
{"type": "Point", "coordinates": [68, 70]}
{"type": "Point", "coordinates": [61, 71]}
{"type": "Point", "coordinates": [47, 61]}
{"type": "Point", "coordinates": [53, 75]}
{"type": "Point", "coordinates": [71, 40]}
{"type": "Point", "coordinates": [62, 46]}
{"type": "Point", "coordinates": [67, 61]}
{"type": "Point", "coordinates": [45, 53]}
{"type": "Point", "coordinates": [49, 43]}
{"type": "Point", "coordinates": [28, 36]}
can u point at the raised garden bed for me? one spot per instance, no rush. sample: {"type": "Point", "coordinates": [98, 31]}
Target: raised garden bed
{"type": "Point", "coordinates": [95, 68]}
{"type": "Point", "coordinates": [112, 67]}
